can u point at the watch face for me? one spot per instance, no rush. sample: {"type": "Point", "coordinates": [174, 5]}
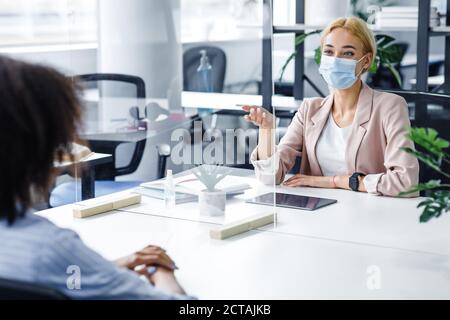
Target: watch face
{"type": "Point", "coordinates": [354, 182]}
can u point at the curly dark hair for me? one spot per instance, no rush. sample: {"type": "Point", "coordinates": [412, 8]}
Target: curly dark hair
{"type": "Point", "coordinates": [39, 118]}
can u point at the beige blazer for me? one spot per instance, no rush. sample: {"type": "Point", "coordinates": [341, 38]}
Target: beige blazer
{"type": "Point", "coordinates": [374, 148]}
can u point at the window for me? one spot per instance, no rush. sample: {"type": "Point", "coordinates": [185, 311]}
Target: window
{"type": "Point", "coordinates": [215, 20]}
{"type": "Point", "coordinates": [42, 22]}
{"type": "Point", "coordinates": [283, 12]}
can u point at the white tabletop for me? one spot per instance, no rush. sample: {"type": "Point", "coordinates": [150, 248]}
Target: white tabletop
{"type": "Point", "coordinates": [264, 265]}
{"type": "Point", "coordinates": [223, 101]}
{"type": "Point", "coordinates": [356, 218]}
{"type": "Point", "coordinates": [330, 253]}
{"type": "Point", "coordinates": [90, 158]}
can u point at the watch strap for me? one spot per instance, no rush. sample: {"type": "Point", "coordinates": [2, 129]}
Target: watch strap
{"type": "Point", "coordinates": [354, 181]}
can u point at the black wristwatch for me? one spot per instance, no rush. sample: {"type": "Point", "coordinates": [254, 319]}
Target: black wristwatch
{"type": "Point", "coordinates": [354, 181]}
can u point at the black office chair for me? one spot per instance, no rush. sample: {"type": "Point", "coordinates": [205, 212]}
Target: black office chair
{"type": "Point", "coordinates": [17, 290]}
{"type": "Point", "coordinates": [110, 171]}
{"type": "Point", "coordinates": [429, 110]}
{"type": "Point", "coordinates": [191, 62]}
{"type": "Point", "coordinates": [105, 174]}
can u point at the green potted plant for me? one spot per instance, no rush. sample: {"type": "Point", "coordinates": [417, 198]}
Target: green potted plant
{"type": "Point", "coordinates": [434, 156]}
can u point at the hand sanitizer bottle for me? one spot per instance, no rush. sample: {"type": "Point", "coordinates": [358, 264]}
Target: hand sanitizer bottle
{"type": "Point", "coordinates": [169, 191]}
{"type": "Point", "coordinates": [204, 72]}
{"type": "Point", "coordinates": [204, 78]}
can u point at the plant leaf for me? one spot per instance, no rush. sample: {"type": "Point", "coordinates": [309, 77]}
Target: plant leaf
{"type": "Point", "coordinates": [394, 72]}
{"type": "Point", "coordinates": [375, 64]}
{"type": "Point", "coordinates": [431, 185]}
{"type": "Point", "coordinates": [286, 64]}
{"type": "Point", "coordinates": [383, 40]}
{"type": "Point", "coordinates": [318, 56]}
{"type": "Point", "coordinates": [439, 202]}
{"type": "Point", "coordinates": [392, 53]}
{"type": "Point", "coordinates": [428, 139]}
{"type": "Point", "coordinates": [300, 39]}
{"type": "Point", "coordinates": [435, 206]}
{"type": "Point", "coordinates": [427, 159]}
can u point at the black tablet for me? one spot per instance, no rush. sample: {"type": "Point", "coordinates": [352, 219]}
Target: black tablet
{"type": "Point", "coordinates": [292, 201]}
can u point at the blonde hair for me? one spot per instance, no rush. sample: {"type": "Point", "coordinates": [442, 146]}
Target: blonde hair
{"type": "Point", "coordinates": [356, 27]}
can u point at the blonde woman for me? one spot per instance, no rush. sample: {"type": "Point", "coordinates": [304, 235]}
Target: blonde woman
{"type": "Point", "coordinates": [352, 139]}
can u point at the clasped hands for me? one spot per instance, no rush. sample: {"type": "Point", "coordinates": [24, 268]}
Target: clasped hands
{"type": "Point", "coordinates": [148, 262]}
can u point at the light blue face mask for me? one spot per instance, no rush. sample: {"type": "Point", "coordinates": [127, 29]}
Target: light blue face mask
{"type": "Point", "coordinates": [339, 73]}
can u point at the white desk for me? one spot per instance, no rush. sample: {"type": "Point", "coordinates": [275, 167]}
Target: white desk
{"type": "Point", "coordinates": [432, 81]}
{"type": "Point", "coordinates": [410, 59]}
{"type": "Point", "coordinates": [189, 101]}
{"type": "Point", "coordinates": [356, 218]}
{"type": "Point", "coordinates": [94, 158]}
{"type": "Point", "coordinates": [223, 101]}
{"type": "Point", "coordinates": [87, 173]}
{"type": "Point", "coordinates": [307, 255]}
{"type": "Point", "coordinates": [262, 265]}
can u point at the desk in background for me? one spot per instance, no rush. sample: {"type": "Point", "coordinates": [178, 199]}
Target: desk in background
{"type": "Point", "coordinates": [435, 81]}
{"type": "Point", "coordinates": [223, 101]}
{"type": "Point", "coordinates": [87, 168]}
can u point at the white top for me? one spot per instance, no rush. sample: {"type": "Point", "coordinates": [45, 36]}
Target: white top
{"type": "Point", "coordinates": [330, 152]}
{"type": "Point", "coordinates": [331, 149]}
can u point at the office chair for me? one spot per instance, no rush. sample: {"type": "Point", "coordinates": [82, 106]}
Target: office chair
{"type": "Point", "coordinates": [17, 290]}
{"type": "Point", "coordinates": [429, 110]}
{"type": "Point", "coordinates": [110, 171]}
{"type": "Point", "coordinates": [105, 175]}
{"type": "Point", "coordinates": [191, 62]}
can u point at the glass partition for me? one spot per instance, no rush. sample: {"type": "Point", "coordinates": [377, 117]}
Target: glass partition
{"type": "Point", "coordinates": [230, 31]}
{"type": "Point", "coordinates": [172, 111]}
{"type": "Point", "coordinates": [187, 153]}
{"type": "Point", "coordinates": [162, 86]}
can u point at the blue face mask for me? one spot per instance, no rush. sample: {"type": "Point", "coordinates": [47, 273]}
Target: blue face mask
{"type": "Point", "coordinates": [339, 73]}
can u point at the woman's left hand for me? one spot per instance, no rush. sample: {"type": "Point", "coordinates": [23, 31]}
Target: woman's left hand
{"type": "Point", "coordinates": [301, 180]}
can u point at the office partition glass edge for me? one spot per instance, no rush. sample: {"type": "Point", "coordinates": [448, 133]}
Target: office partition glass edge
{"type": "Point", "coordinates": [268, 92]}
{"type": "Point", "coordinates": [80, 18]}
{"type": "Point", "coordinates": [71, 183]}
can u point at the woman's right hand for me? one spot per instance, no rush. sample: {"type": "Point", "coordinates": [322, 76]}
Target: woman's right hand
{"type": "Point", "coordinates": [259, 117]}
